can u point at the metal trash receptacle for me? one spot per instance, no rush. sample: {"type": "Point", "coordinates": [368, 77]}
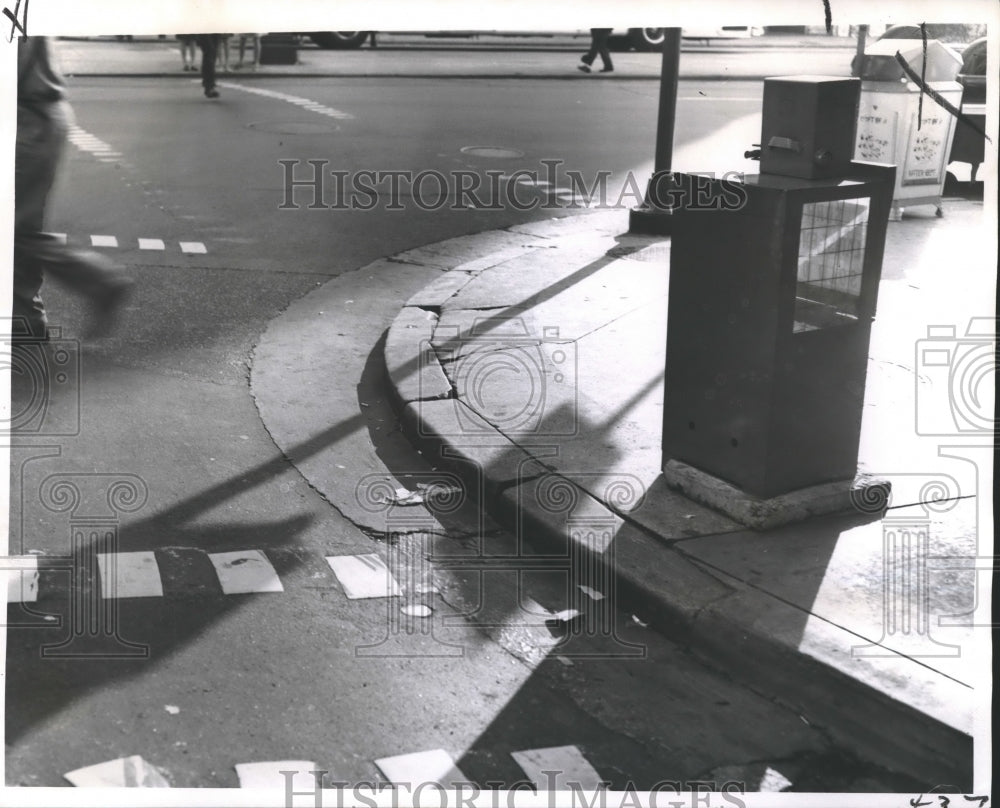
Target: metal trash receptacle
{"type": "Point", "coordinates": [891, 128]}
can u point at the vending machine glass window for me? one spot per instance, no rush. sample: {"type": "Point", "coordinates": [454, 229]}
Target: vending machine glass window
{"type": "Point", "coordinates": [832, 241]}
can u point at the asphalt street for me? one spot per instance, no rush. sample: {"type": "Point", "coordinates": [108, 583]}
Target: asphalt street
{"type": "Point", "coordinates": [193, 197]}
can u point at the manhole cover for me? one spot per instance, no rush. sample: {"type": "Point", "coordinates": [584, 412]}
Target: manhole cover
{"type": "Point", "coordinates": [491, 151]}
{"type": "Point", "coordinates": [295, 127]}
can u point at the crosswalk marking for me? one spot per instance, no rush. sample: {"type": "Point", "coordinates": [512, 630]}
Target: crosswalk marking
{"type": "Point", "coordinates": [245, 571]}
{"type": "Point", "coordinates": [127, 772]}
{"type": "Point", "coordinates": [22, 581]}
{"type": "Point", "coordinates": [305, 103]}
{"type": "Point", "coordinates": [130, 575]}
{"type": "Point", "coordinates": [268, 774]}
{"type": "Point", "coordinates": [364, 576]}
{"type": "Point", "coordinates": [144, 243]}
{"type": "Point", "coordinates": [417, 768]}
{"type": "Point", "coordinates": [558, 768]}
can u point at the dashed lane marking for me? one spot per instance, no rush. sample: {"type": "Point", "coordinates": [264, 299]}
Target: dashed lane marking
{"type": "Point", "coordinates": [158, 244]}
{"type": "Point", "coordinates": [432, 766]}
{"type": "Point", "coordinates": [245, 571]}
{"type": "Point", "coordinates": [558, 768]}
{"type": "Point", "coordinates": [305, 103]}
{"type": "Point", "coordinates": [364, 576]}
{"type": "Point", "coordinates": [130, 575]}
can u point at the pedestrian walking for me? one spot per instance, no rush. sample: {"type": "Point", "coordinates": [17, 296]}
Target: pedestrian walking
{"type": "Point", "coordinates": [43, 117]}
{"type": "Point", "coordinates": [223, 51]}
{"type": "Point", "coordinates": [598, 46]}
{"type": "Point", "coordinates": [189, 51]}
{"type": "Point", "coordinates": [209, 44]}
{"type": "Point", "coordinates": [249, 42]}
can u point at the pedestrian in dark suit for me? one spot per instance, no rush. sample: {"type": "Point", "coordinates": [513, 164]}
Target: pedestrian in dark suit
{"type": "Point", "coordinates": [598, 46]}
{"type": "Point", "coordinates": [43, 118]}
{"type": "Point", "coordinates": [209, 44]}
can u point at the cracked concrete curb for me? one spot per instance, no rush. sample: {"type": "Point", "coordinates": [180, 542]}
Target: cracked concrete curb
{"type": "Point", "coordinates": [731, 624]}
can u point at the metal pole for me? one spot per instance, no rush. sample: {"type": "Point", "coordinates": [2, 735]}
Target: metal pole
{"type": "Point", "coordinates": [648, 218]}
{"type": "Point", "coordinates": [860, 54]}
{"type": "Point", "coordinates": [669, 72]}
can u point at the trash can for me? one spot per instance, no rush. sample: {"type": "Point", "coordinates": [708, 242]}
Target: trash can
{"type": "Point", "coordinates": [969, 145]}
{"type": "Point", "coordinates": [278, 49]}
{"type": "Point", "coordinates": [891, 128]}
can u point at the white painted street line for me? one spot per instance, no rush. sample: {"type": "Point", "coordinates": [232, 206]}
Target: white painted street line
{"type": "Point", "coordinates": [22, 581]}
{"type": "Point", "coordinates": [193, 247]}
{"type": "Point", "coordinates": [128, 772]}
{"type": "Point", "coordinates": [103, 241]}
{"type": "Point", "coordinates": [151, 244]}
{"type": "Point", "coordinates": [558, 768]}
{"type": "Point", "coordinates": [312, 106]}
{"type": "Point", "coordinates": [268, 774]}
{"type": "Point", "coordinates": [130, 575]}
{"type": "Point", "coordinates": [432, 766]}
{"type": "Point", "coordinates": [364, 576]}
{"type": "Point", "coordinates": [245, 571]}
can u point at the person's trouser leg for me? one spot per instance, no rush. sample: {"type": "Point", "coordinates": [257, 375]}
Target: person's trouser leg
{"type": "Point", "coordinates": [40, 137]}
{"type": "Point", "coordinates": [601, 36]}
{"type": "Point", "coordinates": [41, 133]}
{"type": "Point", "coordinates": [209, 44]}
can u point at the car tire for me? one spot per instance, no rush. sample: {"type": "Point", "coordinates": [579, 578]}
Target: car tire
{"type": "Point", "coordinates": [339, 40]}
{"type": "Point", "coordinates": [646, 39]}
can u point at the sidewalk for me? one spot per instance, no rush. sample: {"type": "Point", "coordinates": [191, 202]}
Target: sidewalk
{"type": "Point", "coordinates": [533, 367]}
{"type": "Point", "coordinates": [730, 59]}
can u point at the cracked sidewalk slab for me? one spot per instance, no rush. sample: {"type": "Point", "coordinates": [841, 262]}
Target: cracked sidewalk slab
{"type": "Point", "coordinates": [686, 597]}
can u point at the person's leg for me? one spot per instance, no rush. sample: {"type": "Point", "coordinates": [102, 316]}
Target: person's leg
{"type": "Point", "coordinates": [40, 137]}
{"type": "Point", "coordinates": [601, 36]}
{"type": "Point", "coordinates": [591, 54]}
{"type": "Point", "coordinates": [209, 44]}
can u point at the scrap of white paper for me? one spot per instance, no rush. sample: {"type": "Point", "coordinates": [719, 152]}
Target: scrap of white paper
{"type": "Point", "coordinates": [593, 594]}
{"type": "Point", "coordinates": [363, 576]}
{"type": "Point", "coordinates": [245, 571]}
{"type": "Point", "coordinates": [558, 768]}
{"type": "Point", "coordinates": [130, 575]}
{"type": "Point", "coordinates": [128, 772]}
{"type": "Point", "coordinates": [22, 583]}
{"type": "Point", "coordinates": [773, 781]}
{"type": "Point", "coordinates": [417, 768]}
{"type": "Point", "coordinates": [268, 774]}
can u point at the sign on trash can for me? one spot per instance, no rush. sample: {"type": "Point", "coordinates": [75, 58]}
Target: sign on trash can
{"type": "Point", "coordinates": [892, 128]}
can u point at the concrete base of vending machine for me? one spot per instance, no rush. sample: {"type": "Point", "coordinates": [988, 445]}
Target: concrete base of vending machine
{"type": "Point", "coordinates": [864, 494]}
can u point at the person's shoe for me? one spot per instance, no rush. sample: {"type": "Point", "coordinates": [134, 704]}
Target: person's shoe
{"type": "Point", "coordinates": [584, 68]}
{"type": "Point", "coordinates": [607, 70]}
{"type": "Point", "coordinates": [107, 306]}
{"type": "Point", "coordinates": [211, 92]}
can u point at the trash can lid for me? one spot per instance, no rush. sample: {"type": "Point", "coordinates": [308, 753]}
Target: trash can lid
{"type": "Point", "coordinates": [879, 62]}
